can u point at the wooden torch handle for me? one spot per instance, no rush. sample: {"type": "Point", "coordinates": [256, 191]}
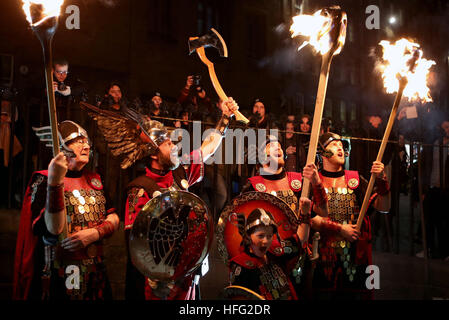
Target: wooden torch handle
{"type": "Point", "coordinates": [317, 116]}
{"type": "Point", "coordinates": [383, 145]}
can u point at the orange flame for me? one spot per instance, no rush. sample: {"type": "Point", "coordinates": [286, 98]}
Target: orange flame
{"type": "Point", "coordinates": [49, 8]}
{"type": "Point", "coordinates": [317, 28]}
{"type": "Point", "coordinates": [403, 59]}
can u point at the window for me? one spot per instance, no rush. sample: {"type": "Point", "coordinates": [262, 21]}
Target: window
{"type": "Point", "coordinates": [343, 71]}
{"type": "Point", "coordinates": [207, 16]}
{"type": "Point", "coordinates": [353, 77]}
{"type": "Point", "coordinates": [256, 36]}
{"type": "Point", "coordinates": [343, 111]}
{"type": "Point", "coordinates": [6, 69]}
{"type": "Point", "coordinates": [299, 101]}
{"type": "Point", "coordinates": [159, 20]}
{"type": "Point", "coordinates": [353, 110]}
{"type": "Point", "coordinates": [350, 32]}
{"type": "Point", "coordinates": [328, 108]}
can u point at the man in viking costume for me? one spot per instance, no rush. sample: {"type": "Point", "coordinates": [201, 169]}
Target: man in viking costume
{"type": "Point", "coordinates": [136, 137]}
{"type": "Point", "coordinates": [344, 251]}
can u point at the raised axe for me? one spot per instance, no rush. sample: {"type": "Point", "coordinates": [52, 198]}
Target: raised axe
{"type": "Point", "coordinates": [213, 39]}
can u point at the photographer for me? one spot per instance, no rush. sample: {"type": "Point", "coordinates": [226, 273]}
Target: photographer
{"type": "Point", "coordinates": [194, 97]}
{"type": "Point", "coordinates": [65, 91]}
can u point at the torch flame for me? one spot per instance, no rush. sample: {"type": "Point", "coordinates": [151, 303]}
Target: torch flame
{"type": "Point", "coordinates": [317, 28]}
{"type": "Point", "coordinates": [41, 10]}
{"type": "Point", "coordinates": [403, 59]}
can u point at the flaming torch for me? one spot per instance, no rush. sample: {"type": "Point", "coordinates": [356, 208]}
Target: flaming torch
{"type": "Point", "coordinates": [326, 33]}
{"type": "Point", "coordinates": [404, 71]}
{"type": "Point", "coordinates": [43, 18]}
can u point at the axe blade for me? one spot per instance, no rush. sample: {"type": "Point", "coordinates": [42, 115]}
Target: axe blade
{"type": "Point", "coordinates": [211, 39]}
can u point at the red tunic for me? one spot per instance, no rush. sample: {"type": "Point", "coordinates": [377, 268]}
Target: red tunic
{"type": "Point", "coordinates": [28, 260]}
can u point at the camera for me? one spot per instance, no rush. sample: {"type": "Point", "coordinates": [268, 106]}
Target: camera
{"type": "Point", "coordinates": [196, 83]}
{"type": "Point", "coordinates": [197, 80]}
{"type": "Point", "coordinates": [61, 86]}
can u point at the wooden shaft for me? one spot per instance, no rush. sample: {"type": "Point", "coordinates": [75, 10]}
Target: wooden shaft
{"type": "Point", "coordinates": [213, 77]}
{"type": "Point", "coordinates": [383, 145]}
{"type": "Point", "coordinates": [48, 61]}
{"type": "Point", "coordinates": [423, 220]}
{"type": "Point", "coordinates": [317, 117]}
{"type": "Point", "coordinates": [51, 97]}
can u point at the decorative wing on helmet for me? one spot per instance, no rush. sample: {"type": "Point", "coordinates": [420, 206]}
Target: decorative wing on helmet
{"type": "Point", "coordinates": [121, 132]}
{"type": "Point", "coordinates": [67, 132]}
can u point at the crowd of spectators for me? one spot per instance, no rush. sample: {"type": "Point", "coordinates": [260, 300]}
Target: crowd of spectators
{"type": "Point", "coordinates": [193, 103]}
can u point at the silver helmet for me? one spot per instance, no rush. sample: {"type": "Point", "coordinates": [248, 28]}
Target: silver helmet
{"type": "Point", "coordinates": [156, 132]}
{"type": "Point", "coordinates": [67, 132]}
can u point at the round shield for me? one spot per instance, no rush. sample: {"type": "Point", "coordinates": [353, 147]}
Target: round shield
{"type": "Point", "coordinates": [228, 236]}
{"type": "Point", "coordinates": [171, 236]}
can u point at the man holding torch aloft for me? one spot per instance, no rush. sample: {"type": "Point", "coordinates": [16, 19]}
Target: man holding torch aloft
{"type": "Point", "coordinates": [345, 252]}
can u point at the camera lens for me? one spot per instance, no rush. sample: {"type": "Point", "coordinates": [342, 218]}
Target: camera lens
{"type": "Point", "coordinates": [62, 86]}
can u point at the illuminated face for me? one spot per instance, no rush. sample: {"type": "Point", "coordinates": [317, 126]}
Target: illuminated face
{"type": "Point", "coordinates": [289, 128]}
{"type": "Point", "coordinates": [185, 116]}
{"type": "Point", "coordinates": [445, 127]}
{"type": "Point", "coordinates": [275, 155]}
{"type": "Point", "coordinates": [60, 72]}
{"type": "Point", "coordinates": [115, 93]}
{"type": "Point", "coordinates": [338, 153]}
{"type": "Point", "coordinates": [81, 148]}
{"type": "Point", "coordinates": [168, 155]}
{"type": "Point", "coordinates": [157, 101]}
{"type": "Point", "coordinates": [259, 107]}
{"type": "Point", "coordinates": [261, 240]}
{"type": "Point", "coordinates": [304, 125]}
{"type": "Point", "coordinates": [375, 121]}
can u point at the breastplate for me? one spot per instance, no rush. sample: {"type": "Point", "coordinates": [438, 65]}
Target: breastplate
{"type": "Point", "coordinates": [274, 280]}
{"type": "Point", "coordinates": [85, 208]}
{"type": "Point", "coordinates": [288, 196]}
{"type": "Point", "coordinates": [342, 203]}
{"type": "Point", "coordinates": [343, 208]}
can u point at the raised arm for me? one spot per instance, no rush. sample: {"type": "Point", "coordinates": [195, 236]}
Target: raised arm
{"type": "Point", "coordinates": [213, 140]}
